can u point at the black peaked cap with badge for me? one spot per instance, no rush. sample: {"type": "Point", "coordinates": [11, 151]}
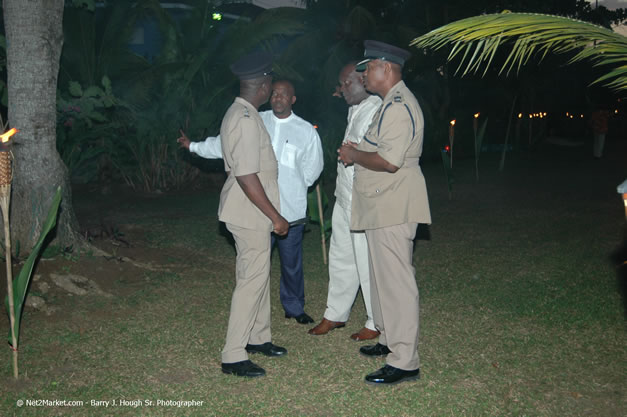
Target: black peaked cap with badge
{"type": "Point", "coordinates": [383, 51]}
{"type": "Point", "coordinates": [253, 65]}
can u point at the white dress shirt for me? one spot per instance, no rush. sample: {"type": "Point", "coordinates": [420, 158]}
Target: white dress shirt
{"type": "Point", "coordinates": [298, 151]}
{"type": "Point", "coordinates": [359, 118]}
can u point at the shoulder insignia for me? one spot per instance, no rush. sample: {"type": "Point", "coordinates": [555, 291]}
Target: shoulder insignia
{"type": "Point", "coordinates": [398, 98]}
{"type": "Point", "coordinates": [246, 114]}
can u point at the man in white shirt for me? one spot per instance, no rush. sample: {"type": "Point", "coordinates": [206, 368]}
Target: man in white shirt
{"type": "Point", "coordinates": [348, 253]}
{"type": "Point", "coordinates": [298, 151]}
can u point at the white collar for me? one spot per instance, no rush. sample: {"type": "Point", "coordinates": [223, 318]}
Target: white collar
{"type": "Point", "coordinates": [288, 118]}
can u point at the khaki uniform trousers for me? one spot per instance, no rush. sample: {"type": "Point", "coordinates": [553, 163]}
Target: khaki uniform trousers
{"type": "Point", "coordinates": [394, 292]}
{"type": "Point", "coordinates": [249, 321]}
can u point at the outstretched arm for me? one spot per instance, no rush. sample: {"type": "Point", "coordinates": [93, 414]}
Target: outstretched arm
{"type": "Point", "coordinates": [210, 148]}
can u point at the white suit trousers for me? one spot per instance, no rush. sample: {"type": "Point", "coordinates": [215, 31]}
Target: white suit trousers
{"type": "Point", "coordinates": [348, 269]}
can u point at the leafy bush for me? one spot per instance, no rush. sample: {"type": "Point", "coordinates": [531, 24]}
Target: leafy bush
{"type": "Point", "coordinates": [85, 124]}
{"type": "Point", "coordinates": [152, 162]}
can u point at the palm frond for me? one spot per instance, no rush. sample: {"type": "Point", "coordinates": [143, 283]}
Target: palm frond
{"type": "Point", "coordinates": [477, 39]}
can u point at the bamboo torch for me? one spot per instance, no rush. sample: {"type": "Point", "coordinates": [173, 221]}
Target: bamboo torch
{"type": "Point", "coordinates": [6, 176]}
{"type": "Point", "coordinates": [320, 209]}
{"type": "Point", "coordinates": [451, 138]}
{"type": "Point", "coordinates": [475, 125]}
{"type": "Point", "coordinates": [324, 240]}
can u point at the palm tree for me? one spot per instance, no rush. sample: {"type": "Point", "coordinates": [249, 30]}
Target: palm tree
{"type": "Point", "coordinates": [477, 40]}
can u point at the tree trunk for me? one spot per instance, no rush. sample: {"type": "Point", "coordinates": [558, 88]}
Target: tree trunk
{"type": "Point", "coordinates": [34, 37]}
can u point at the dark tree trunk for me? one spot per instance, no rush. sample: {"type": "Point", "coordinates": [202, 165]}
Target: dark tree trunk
{"type": "Point", "coordinates": [34, 40]}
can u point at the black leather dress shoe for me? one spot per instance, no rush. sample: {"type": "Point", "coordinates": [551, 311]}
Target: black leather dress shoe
{"type": "Point", "coordinates": [267, 349]}
{"type": "Point", "coordinates": [374, 350]}
{"type": "Point", "coordinates": [389, 375]}
{"type": "Point", "coordinates": [301, 318]}
{"type": "Point", "coordinates": [243, 368]}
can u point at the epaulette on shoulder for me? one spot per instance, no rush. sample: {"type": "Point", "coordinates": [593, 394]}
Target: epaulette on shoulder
{"type": "Point", "coordinates": [246, 114]}
{"type": "Point", "coordinates": [398, 98]}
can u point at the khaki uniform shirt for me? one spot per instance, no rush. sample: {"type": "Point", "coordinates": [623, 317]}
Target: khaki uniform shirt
{"type": "Point", "coordinates": [247, 149]}
{"type": "Point", "coordinates": [382, 199]}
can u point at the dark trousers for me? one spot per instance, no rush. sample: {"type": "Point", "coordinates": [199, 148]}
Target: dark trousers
{"type": "Point", "coordinates": [292, 289]}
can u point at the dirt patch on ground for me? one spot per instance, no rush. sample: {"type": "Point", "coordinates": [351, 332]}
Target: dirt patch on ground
{"type": "Point", "coordinates": [119, 263]}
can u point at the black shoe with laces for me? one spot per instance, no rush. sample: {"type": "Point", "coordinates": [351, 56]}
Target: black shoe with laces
{"type": "Point", "coordinates": [243, 368]}
{"type": "Point", "coordinates": [267, 349]}
{"type": "Point", "coordinates": [389, 375]}
{"type": "Point", "coordinates": [301, 318]}
{"type": "Point", "coordinates": [374, 350]}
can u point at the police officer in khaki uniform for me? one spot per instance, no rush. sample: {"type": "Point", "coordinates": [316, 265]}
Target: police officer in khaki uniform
{"type": "Point", "coordinates": [389, 200]}
{"type": "Point", "coordinates": [249, 205]}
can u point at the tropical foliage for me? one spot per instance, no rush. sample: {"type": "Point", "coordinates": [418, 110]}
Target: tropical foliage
{"type": "Point", "coordinates": [150, 97]}
{"type": "Point", "coordinates": [21, 282]}
{"type": "Point", "coordinates": [476, 41]}
{"type": "Point", "coordinates": [85, 123]}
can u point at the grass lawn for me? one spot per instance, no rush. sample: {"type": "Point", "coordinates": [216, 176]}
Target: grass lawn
{"type": "Point", "coordinates": [521, 313]}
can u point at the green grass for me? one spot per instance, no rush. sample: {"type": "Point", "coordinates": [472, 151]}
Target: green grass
{"type": "Point", "coordinates": [520, 313]}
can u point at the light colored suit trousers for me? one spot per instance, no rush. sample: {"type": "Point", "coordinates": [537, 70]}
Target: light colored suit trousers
{"type": "Point", "coordinates": [348, 269]}
{"type": "Point", "coordinates": [394, 292]}
{"type": "Point", "coordinates": [249, 321]}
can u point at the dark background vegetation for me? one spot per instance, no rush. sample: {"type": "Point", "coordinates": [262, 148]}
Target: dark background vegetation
{"type": "Point", "coordinates": [120, 108]}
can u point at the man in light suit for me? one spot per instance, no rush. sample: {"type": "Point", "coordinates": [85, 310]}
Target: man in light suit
{"type": "Point", "coordinates": [348, 252]}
